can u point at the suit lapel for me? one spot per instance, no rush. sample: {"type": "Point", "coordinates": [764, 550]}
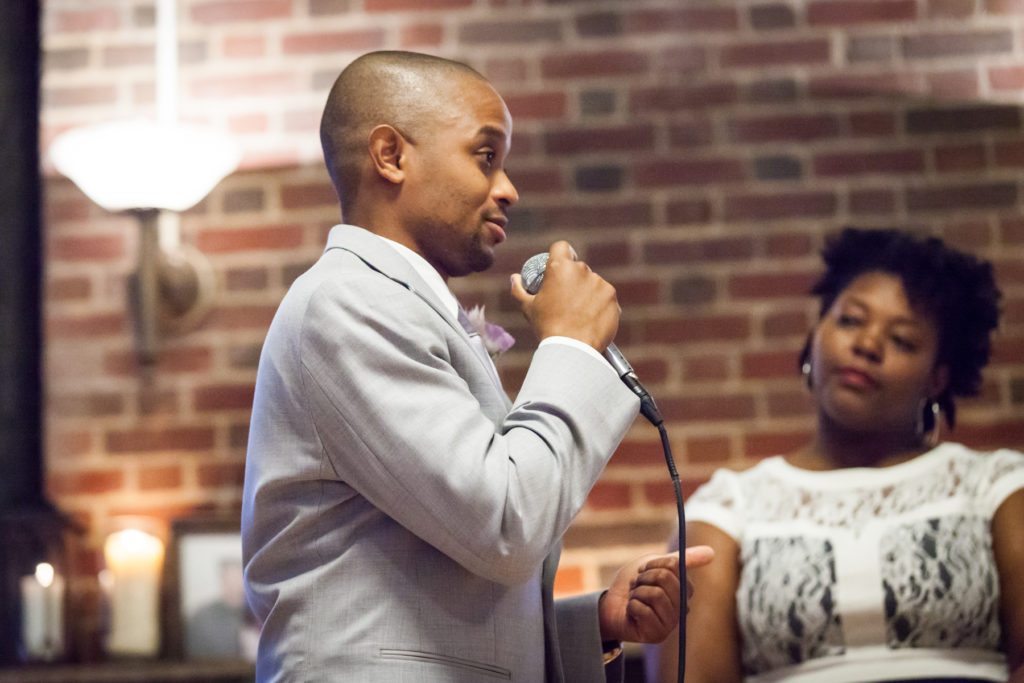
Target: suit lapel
{"type": "Point", "coordinates": [378, 256]}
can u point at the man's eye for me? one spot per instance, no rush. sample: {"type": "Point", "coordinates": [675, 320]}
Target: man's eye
{"type": "Point", "coordinates": [487, 158]}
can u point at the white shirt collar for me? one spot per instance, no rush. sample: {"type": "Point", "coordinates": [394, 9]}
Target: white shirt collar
{"type": "Point", "coordinates": [429, 275]}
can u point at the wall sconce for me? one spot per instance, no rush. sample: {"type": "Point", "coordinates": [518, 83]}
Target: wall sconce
{"type": "Point", "coordinates": [146, 168]}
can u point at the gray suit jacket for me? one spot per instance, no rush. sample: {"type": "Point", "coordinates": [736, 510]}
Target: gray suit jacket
{"type": "Point", "coordinates": [397, 509]}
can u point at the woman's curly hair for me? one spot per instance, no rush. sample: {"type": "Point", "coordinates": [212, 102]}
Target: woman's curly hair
{"type": "Point", "coordinates": [955, 290]}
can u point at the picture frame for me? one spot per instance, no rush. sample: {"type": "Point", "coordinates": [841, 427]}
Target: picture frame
{"type": "Point", "coordinates": [206, 615]}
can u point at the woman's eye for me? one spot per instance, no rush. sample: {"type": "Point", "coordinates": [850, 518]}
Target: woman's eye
{"type": "Point", "coordinates": [847, 320]}
{"type": "Point", "coordinates": [904, 344]}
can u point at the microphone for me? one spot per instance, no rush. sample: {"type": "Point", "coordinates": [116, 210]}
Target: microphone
{"type": "Point", "coordinates": [533, 277]}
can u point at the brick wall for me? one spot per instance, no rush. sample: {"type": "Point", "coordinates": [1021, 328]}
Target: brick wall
{"type": "Point", "coordinates": [695, 153]}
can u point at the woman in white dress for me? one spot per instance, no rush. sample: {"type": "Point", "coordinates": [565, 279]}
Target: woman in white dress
{"type": "Point", "coordinates": [875, 552]}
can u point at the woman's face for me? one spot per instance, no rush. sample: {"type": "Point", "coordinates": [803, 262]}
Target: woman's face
{"type": "Point", "coordinates": [873, 357]}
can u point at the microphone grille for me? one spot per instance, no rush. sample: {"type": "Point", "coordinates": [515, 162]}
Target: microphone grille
{"type": "Point", "coordinates": [533, 272]}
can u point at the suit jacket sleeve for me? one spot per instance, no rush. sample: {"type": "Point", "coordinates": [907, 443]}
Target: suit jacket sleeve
{"type": "Point", "coordinates": [399, 423]}
{"type": "Point", "coordinates": [579, 641]}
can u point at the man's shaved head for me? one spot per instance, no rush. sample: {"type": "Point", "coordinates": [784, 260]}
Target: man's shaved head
{"type": "Point", "coordinates": [401, 89]}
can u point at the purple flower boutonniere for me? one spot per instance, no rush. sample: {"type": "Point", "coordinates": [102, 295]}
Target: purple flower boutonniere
{"type": "Point", "coordinates": [496, 340]}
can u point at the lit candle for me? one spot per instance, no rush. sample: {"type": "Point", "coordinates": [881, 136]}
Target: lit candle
{"type": "Point", "coordinates": [134, 559]}
{"type": "Point", "coordinates": [42, 613]}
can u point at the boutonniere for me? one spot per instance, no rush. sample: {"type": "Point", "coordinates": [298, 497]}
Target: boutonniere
{"type": "Point", "coordinates": [496, 340]}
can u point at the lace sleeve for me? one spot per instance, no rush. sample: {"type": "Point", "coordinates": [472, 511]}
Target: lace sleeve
{"type": "Point", "coordinates": [1004, 476]}
{"type": "Point", "coordinates": [718, 503]}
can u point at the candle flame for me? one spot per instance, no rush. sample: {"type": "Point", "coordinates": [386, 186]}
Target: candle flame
{"type": "Point", "coordinates": [44, 574]}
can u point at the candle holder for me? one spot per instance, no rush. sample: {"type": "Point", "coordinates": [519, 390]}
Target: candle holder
{"type": "Point", "coordinates": [133, 554]}
{"type": "Point", "coordinates": [35, 609]}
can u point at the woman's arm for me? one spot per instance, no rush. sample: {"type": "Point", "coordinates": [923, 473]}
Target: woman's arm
{"type": "Point", "coordinates": [712, 634]}
{"type": "Point", "coordinates": [1008, 546]}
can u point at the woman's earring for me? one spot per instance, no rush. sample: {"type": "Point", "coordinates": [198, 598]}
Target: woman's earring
{"type": "Point", "coordinates": [930, 409]}
{"type": "Point", "coordinates": [805, 370]}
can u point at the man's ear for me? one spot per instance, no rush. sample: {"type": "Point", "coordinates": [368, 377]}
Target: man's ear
{"type": "Point", "coordinates": [387, 152]}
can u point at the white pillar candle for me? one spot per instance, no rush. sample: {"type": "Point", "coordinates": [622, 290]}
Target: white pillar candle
{"type": "Point", "coordinates": [134, 559]}
{"type": "Point", "coordinates": [42, 613]}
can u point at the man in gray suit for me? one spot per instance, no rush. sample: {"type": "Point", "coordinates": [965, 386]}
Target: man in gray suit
{"type": "Point", "coordinates": [401, 517]}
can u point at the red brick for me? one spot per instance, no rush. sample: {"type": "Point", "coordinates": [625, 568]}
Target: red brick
{"type": "Point", "coordinates": [652, 371]}
{"type": "Point", "coordinates": [872, 123]}
{"type": "Point", "coordinates": [662, 493]}
{"type": "Point", "coordinates": [87, 482]}
{"type": "Point", "coordinates": [769, 364]}
{"type": "Point", "coordinates": [536, 106]}
{"type": "Point", "coordinates": [308, 195]}
{"type": "Point", "coordinates": [569, 580]}
{"type": "Point", "coordinates": [705, 449]}
{"type": "Point", "coordinates": [860, 86]}
{"type": "Point", "coordinates": [899, 161]}
{"type": "Point", "coordinates": [951, 9]}
{"type": "Point", "coordinates": [70, 443]}
{"type": "Point", "coordinates": [609, 495]}
{"type": "Point", "coordinates": [248, 123]}
{"type": "Point", "coordinates": [711, 407]}
{"type": "Point", "coordinates": [780, 205]}
{"type": "Point", "coordinates": [783, 128]}
{"type": "Point", "coordinates": [767, 54]}
{"type": "Point", "coordinates": [81, 21]}
{"type": "Point", "coordinates": [683, 59]}
{"type": "Point", "coordinates": [508, 31]}
{"type": "Point", "coordinates": [65, 210]}
{"type": "Point", "coordinates": [92, 404]}
{"type": "Point", "coordinates": [790, 403]}
{"type": "Point", "coordinates": [617, 216]}
{"type": "Point", "coordinates": [241, 317]}
{"type": "Point", "coordinates": [1003, 6]}
{"type": "Point", "coordinates": [677, 330]}
{"type": "Point", "coordinates": [786, 324]}
{"type": "Point", "coordinates": [81, 326]}
{"type": "Point", "coordinates": [234, 12]}
{"type": "Point", "coordinates": [129, 55]}
{"type": "Point", "coordinates": [770, 285]}
{"type": "Point", "coordinates": [681, 98]}
{"type": "Point", "coordinates": [578, 140]}
{"type": "Point", "coordinates": [986, 195]}
{"type": "Point", "coordinates": [221, 474]}
{"type": "Point", "coordinates": [176, 438]}
{"type": "Point", "coordinates": [954, 85]}
{"type": "Point", "coordinates": [958, 120]}
{"type": "Point", "coordinates": [1009, 154]}
{"type": "Point", "coordinates": [165, 477]}
{"type": "Point", "coordinates": [763, 444]}
{"type": "Point", "coordinates": [989, 436]}
{"type": "Point", "coordinates": [536, 181]}
{"type": "Point", "coordinates": [243, 46]}
{"type": "Point", "coordinates": [68, 288]}
{"type": "Point", "coordinates": [1012, 230]}
{"type": "Point", "coordinates": [506, 70]}
{"type": "Point", "coordinates": [688, 211]}
{"type": "Point", "coordinates": [700, 20]}
{"type": "Point", "coordinates": [598, 254]}
{"type": "Point", "coordinates": [591, 64]}
{"type": "Point", "coordinates": [638, 454]}
{"type": "Point", "coordinates": [79, 96]}
{"type": "Point", "coordinates": [421, 35]}
{"type": "Point", "coordinates": [223, 397]}
{"type": "Point", "coordinates": [87, 248]}
{"type": "Point", "coordinates": [222, 88]}
{"type": "Point", "coordinates": [168, 360]}
{"type": "Point", "coordinates": [705, 368]}
{"type": "Point", "coordinates": [961, 44]}
{"type": "Point", "coordinates": [870, 201]}
{"type": "Point", "coordinates": [665, 173]}
{"type": "Point", "coordinates": [696, 133]}
{"type": "Point", "coordinates": [246, 279]}
{"type": "Point", "coordinates": [232, 240]}
{"type": "Point", "coordinates": [334, 41]}
{"type": "Point", "coordinates": [856, 12]}
{"type": "Point", "coordinates": [955, 158]}
{"type": "Point", "coordinates": [788, 246]}
{"type": "Point", "coordinates": [698, 251]}
{"type": "Point", "coordinates": [637, 292]}
{"type": "Point", "coordinates": [418, 5]}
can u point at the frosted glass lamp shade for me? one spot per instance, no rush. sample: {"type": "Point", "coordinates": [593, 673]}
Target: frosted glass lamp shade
{"type": "Point", "coordinates": [140, 164]}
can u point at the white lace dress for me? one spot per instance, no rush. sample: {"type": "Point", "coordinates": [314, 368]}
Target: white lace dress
{"type": "Point", "coordinates": [868, 573]}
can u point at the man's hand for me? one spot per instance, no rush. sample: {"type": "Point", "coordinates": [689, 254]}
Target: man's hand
{"type": "Point", "coordinates": [574, 301]}
{"type": "Point", "coordinates": [642, 604]}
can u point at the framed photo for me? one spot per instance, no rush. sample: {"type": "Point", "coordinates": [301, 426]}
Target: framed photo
{"type": "Point", "coordinates": [208, 617]}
